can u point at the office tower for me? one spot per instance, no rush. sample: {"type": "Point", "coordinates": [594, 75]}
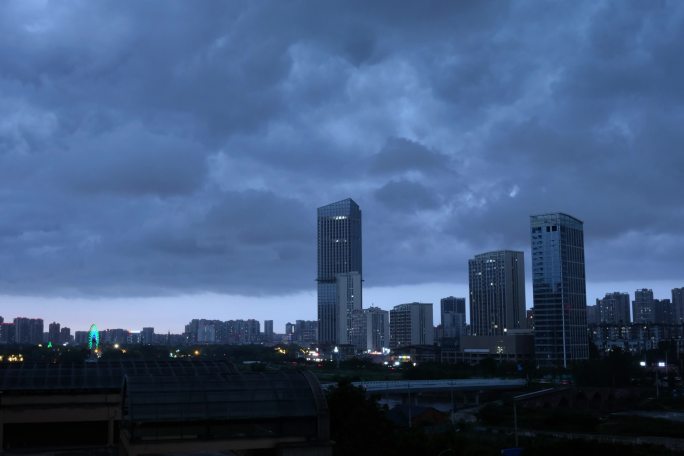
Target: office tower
{"type": "Point", "coordinates": [147, 336]}
{"type": "Point", "coordinates": [268, 330]}
{"type": "Point", "coordinates": [53, 332]}
{"type": "Point", "coordinates": [678, 305]}
{"type": "Point", "coordinates": [377, 329]}
{"type": "Point", "coordinates": [339, 270]}
{"type": "Point", "coordinates": [558, 282]}
{"type": "Point", "coordinates": [643, 306]}
{"type": "Point", "coordinates": [497, 292]}
{"type": "Point", "coordinates": [411, 324]}
{"type": "Point", "coordinates": [613, 309]}
{"type": "Point", "coordinates": [452, 312]}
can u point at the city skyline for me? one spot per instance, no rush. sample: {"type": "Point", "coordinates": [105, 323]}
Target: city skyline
{"type": "Point", "coordinates": [151, 175]}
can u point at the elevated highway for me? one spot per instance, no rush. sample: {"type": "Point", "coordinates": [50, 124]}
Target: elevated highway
{"type": "Point", "coordinates": [419, 386]}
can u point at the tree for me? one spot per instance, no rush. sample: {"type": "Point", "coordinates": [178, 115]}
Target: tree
{"type": "Point", "coordinates": [358, 425]}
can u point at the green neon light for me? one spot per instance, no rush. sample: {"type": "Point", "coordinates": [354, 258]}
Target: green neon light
{"type": "Point", "coordinates": [93, 335]}
{"type": "Point", "coordinates": [49, 344]}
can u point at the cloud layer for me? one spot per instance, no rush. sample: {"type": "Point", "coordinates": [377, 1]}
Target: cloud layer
{"type": "Point", "coordinates": [162, 148]}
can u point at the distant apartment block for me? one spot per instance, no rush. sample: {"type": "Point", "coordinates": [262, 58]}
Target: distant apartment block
{"type": "Point", "coordinates": [497, 292]}
{"type": "Point", "coordinates": [411, 324]}
{"type": "Point", "coordinates": [613, 309]}
{"type": "Point", "coordinates": [643, 306]}
{"type": "Point", "coordinates": [678, 304]}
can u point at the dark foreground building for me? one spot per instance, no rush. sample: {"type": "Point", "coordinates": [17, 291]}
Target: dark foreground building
{"type": "Point", "coordinates": [161, 407]}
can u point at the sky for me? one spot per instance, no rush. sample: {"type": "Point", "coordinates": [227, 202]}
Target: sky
{"type": "Point", "coordinates": [163, 160]}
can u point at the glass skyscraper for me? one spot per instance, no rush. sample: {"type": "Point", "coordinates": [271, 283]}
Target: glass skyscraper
{"type": "Point", "coordinates": [558, 281]}
{"type": "Point", "coordinates": [339, 270]}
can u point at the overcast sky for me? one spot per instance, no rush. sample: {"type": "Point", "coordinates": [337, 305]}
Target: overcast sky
{"type": "Point", "coordinates": [161, 161]}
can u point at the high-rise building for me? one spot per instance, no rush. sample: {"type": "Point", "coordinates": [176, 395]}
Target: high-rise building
{"type": "Point", "coordinates": [359, 330]}
{"type": "Point", "coordinates": [147, 336]}
{"type": "Point", "coordinates": [453, 317]}
{"type": "Point", "coordinates": [497, 292]}
{"type": "Point", "coordinates": [593, 314]}
{"type": "Point", "coordinates": [613, 309]}
{"type": "Point", "coordinates": [306, 332]}
{"type": "Point", "coordinates": [411, 324]}
{"type": "Point", "coordinates": [339, 270]}
{"type": "Point", "coordinates": [53, 333]}
{"type": "Point", "coordinates": [377, 329]}
{"type": "Point", "coordinates": [678, 305]}
{"type": "Point", "coordinates": [65, 335]}
{"type": "Point", "coordinates": [643, 306]}
{"type": "Point", "coordinates": [7, 333]}
{"type": "Point", "coordinates": [268, 330]}
{"type": "Point", "coordinates": [28, 330]}
{"type": "Point", "coordinates": [558, 282]}
{"type": "Point", "coordinates": [664, 312]}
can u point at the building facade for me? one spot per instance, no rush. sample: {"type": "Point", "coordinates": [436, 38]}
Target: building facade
{"type": "Point", "coordinates": [377, 329]}
{"type": "Point", "coordinates": [497, 292]}
{"type": "Point", "coordinates": [453, 317]}
{"type": "Point", "coordinates": [643, 306]}
{"type": "Point", "coordinates": [28, 330]}
{"type": "Point", "coordinates": [268, 330]}
{"type": "Point", "coordinates": [411, 324]}
{"type": "Point", "coordinates": [678, 304]}
{"type": "Point", "coordinates": [613, 309]}
{"type": "Point", "coordinates": [339, 270]}
{"type": "Point", "coordinates": [559, 288]}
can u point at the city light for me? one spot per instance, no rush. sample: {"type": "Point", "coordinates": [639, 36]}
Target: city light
{"type": "Point", "coordinates": [642, 363]}
{"type": "Point", "coordinates": [661, 363]}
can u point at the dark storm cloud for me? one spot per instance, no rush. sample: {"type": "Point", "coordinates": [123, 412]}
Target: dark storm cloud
{"type": "Point", "coordinates": [178, 147]}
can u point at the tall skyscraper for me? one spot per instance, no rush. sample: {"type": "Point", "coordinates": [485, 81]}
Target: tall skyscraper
{"type": "Point", "coordinates": [558, 281]}
{"type": "Point", "coordinates": [339, 270]}
{"type": "Point", "coordinates": [497, 292]}
{"type": "Point", "coordinates": [643, 306]}
{"type": "Point", "coordinates": [411, 324]}
{"type": "Point", "coordinates": [452, 313]}
{"type": "Point", "coordinates": [678, 305]}
{"type": "Point", "coordinates": [613, 309]}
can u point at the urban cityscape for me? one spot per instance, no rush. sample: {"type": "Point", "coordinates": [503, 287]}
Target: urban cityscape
{"type": "Point", "coordinates": [238, 228]}
{"type": "Point", "coordinates": [554, 332]}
